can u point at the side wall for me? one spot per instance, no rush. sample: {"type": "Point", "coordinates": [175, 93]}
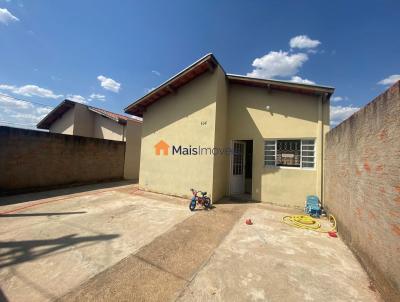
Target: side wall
{"type": "Point", "coordinates": [65, 124]}
{"type": "Point", "coordinates": [185, 118]}
{"type": "Point", "coordinates": [31, 159]}
{"type": "Point", "coordinates": [362, 187]}
{"type": "Point", "coordinates": [133, 146]}
{"type": "Point", "coordinates": [108, 129]}
{"type": "Point", "coordinates": [290, 116]}
{"type": "Point", "coordinates": [84, 121]}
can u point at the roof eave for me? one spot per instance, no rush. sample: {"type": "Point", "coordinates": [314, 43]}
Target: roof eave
{"type": "Point", "coordinates": [49, 119]}
{"type": "Point", "coordinates": [207, 58]}
{"type": "Point", "coordinates": [122, 121]}
{"type": "Point", "coordinates": [103, 114]}
{"type": "Point", "coordinates": [195, 69]}
{"type": "Point", "coordinates": [269, 83]}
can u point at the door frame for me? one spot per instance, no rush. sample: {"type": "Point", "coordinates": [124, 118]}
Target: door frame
{"type": "Point", "coordinates": [231, 164]}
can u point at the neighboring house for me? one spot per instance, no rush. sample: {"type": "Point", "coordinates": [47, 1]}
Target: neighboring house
{"type": "Point", "coordinates": [276, 129]}
{"type": "Point", "coordinates": [81, 120]}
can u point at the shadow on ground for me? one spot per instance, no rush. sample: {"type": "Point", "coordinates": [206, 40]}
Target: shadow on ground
{"type": "Point", "coordinates": [15, 252]}
{"type": "Point", "coordinates": [3, 297]}
{"type": "Point", "coordinates": [41, 193]}
{"type": "Point", "coordinates": [236, 200]}
{"type": "Point", "coordinates": [39, 214]}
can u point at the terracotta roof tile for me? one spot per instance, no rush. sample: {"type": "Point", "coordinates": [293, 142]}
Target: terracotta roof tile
{"type": "Point", "coordinates": [114, 116]}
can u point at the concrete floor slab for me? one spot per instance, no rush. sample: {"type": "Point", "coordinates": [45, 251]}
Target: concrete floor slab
{"type": "Point", "coordinates": [117, 243]}
{"type": "Point", "coordinates": [50, 248]}
{"type": "Point", "coordinates": [271, 261]}
{"type": "Point", "coordinates": [160, 270]}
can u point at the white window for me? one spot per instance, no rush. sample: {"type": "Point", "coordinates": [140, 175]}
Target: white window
{"type": "Point", "coordinates": [308, 153]}
{"type": "Point", "coordinates": [269, 153]}
{"type": "Point", "coordinates": [299, 153]}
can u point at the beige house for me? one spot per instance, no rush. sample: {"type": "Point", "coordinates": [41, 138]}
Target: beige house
{"type": "Point", "coordinates": [232, 135]}
{"type": "Point", "coordinates": [78, 119]}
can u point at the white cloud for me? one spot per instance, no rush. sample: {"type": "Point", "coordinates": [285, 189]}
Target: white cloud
{"type": "Point", "coordinates": [6, 87]}
{"type": "Point", "coordinates": [19, 113]}
{"type": "Point", "coordinates": [298, 79]}
{"type": "Point", "coordinates": [303, 41]}
{"type": "Point", "coordinates": [98, 97]}
{"type": "Point", "coordinates": [77, 98]}
{"type": "Point", "coordinates": [157, 73]}
{"type": "Point", "coordinates": [31, 90]}
{"type": "Point", "coordinates": [390, 80]}
{"type": "Point", "coordinates": [340, 113]}
{"type": "Point", "coordinates": [55, 78]}
{"type": "Point", "coordinates": [337, 99]}
{"type": "Point", "coordinates": [277, 63]}
{"type": "Point", "coordinates": [109, 84]}
{"type": "Point", "coordinates": [43, 110]}
{"type": "Point", "coordinates": [9, 102]}
{"type": "Point", "coordinates": [147, 90]}
{"type": "Point", "coordinates": [6, 16]}
{"type": "Point", "coordinates": [26, 118]}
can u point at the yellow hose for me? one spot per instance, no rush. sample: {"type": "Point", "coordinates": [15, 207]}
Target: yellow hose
{"type": "Point", "coordinates": [308, 223]}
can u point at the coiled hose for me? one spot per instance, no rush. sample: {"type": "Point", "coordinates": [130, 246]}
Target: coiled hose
{"type": "Point", "coordinates": [308, 223]}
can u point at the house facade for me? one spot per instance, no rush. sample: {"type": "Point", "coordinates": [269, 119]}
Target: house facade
{"type": "Point", "coordinates": [233, 135]}
{"type": "Point", "coordinates": [73, 118]}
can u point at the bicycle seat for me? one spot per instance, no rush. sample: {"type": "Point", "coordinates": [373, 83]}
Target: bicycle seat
{"type": "Point", "coordinates": [203, 193]}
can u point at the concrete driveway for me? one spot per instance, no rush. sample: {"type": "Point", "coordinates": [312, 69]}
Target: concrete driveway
{"type": "Point", "coordinates": [113, 242]}
{"type": "Point", "coordinates": [271, 261]}
{"type": "Point", "coordinates": [49, 246]}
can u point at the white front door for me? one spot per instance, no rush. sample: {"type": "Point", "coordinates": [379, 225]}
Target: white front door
{"type": "Point", "coordinates": [237, 168]}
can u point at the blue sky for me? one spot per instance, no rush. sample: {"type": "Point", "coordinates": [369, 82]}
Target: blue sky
{"type": "Point", "coordinates": [109, 53]}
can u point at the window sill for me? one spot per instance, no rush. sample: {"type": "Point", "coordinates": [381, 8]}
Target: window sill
{"type": "Point", "coordinates": [289, 168]}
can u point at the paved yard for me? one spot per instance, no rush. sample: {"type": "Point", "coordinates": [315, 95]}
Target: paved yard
{"type": "Point", "coordinates": [112, 242]}
{"type": "Point", "coordinates": [50, 248]}
{"type": "Point", "coordinates": [271, 261]}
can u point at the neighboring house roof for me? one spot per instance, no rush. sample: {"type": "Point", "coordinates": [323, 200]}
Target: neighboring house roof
{"type": "Point", "coordinates": [209, 62]}
{"type": "Point", "coordinates": [122, 119]}
{"type": "Point", "coordinates": [54, 114]}
{"type": "Point", "coordinates": [65, 105]}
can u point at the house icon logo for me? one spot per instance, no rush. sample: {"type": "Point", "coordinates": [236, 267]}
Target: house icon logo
{"type": "Point", "coordinates": [161, 146]}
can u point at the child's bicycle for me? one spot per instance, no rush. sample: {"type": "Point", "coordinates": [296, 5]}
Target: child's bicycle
{"type": "Point", "coordinates": [203, 200]}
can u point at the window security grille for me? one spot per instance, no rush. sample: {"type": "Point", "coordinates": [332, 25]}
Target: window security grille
{"type": "Point", "coordinates": [290, 153]}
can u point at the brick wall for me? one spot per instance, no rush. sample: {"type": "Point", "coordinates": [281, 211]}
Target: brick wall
{"type": "Point", "coordinates": [362, 187]}
{"type": "Point", "coordinates": [32, 159]}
